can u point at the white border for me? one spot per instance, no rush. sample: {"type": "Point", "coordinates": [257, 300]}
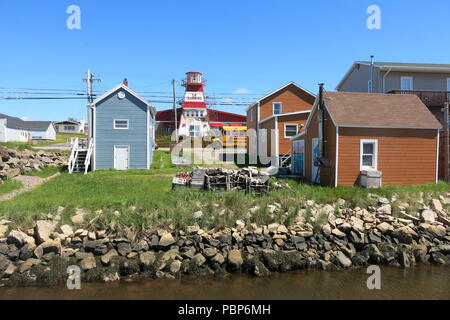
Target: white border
{"type": "Point", "coordinates": [114, 155]}
{"type": "Point", "coordinates": [375, 142]}
{"type": "Point", "coordinates": [114, 124]}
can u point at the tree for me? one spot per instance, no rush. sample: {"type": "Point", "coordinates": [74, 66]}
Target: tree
{"type": "Point", "coordinates": [72, 119]}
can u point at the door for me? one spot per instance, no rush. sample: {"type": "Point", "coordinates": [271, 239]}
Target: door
{"type": "Point", "coordinates": [298, 155]}
{"type": "Point", "coordinates": [121, 157]}
{"type": "Point", "coordinates": [315, 161]}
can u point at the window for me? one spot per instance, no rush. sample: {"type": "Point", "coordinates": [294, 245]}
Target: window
{"type": "Point", "coordinates": [369, 154]}
{"type": "Point", "coordinates": [276, 108]}
{"type": "Point", "coordinates": [120, 124]}
{"type": "Point", "coordinates": [194, 131]}
{"type": "Point", "coordinates": [290, 130]}
{"type": "Point", "coordinates": [69, 128]}
{"type": "Point", "coordinates": [406, 83]}
{"type": "Point", "coordinates": [448, 84]}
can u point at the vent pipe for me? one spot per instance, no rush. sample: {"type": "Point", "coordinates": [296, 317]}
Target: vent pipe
{"type": "Point", "coordinates": [371, 74]}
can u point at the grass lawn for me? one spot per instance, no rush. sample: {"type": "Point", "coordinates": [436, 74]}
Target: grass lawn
{"type": "Point", "coordinates": [9, 185]}
{"type": "Point", "coordinates": [45, 173]}
{"type": "Point", "coordinates": [144, 199]}
{"type": "Point", "coordinates": [60, 138]}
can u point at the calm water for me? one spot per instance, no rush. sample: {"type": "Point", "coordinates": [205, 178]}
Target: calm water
{"type": "Point", "coordinates": [423, 282]}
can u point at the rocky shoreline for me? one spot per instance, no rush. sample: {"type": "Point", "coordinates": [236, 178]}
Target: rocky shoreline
{"type": "Point", "coordinates": [14, 163]}
{"type": "Point", "coordinates": [347, 238]}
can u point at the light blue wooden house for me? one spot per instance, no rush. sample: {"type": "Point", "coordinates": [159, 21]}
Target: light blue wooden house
{"type": "Point", "coordinates": [121, 133]}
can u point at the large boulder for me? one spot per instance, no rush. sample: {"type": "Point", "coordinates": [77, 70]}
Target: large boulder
{"type": "Point", "coordinates": [235, 259]}
{"type": "Point", "coordinates": [42, 230]}
{"type": "Point", "coordinates": [166, 240]}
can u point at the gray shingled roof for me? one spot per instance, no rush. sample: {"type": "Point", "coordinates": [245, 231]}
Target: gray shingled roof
{"type": "Point", "coordinates": [17, 123]}
{"type": "Point", "coordinates": [357, 109]}
{"type": "Point", "coordinates": [403, 64]}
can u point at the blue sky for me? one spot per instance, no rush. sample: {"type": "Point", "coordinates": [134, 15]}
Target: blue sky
{"type": "Point", "coordinates": [238, 44]}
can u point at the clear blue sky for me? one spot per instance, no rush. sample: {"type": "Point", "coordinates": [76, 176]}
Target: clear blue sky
{"type": "Point", "coordinates": [255, 45]}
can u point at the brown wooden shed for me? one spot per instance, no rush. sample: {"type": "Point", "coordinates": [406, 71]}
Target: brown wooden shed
{"type": "Point", "coordinates": [394, 134]}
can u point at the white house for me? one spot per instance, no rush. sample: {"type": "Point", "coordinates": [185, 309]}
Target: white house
{"type": "Point", "coordinates": [13, 129]}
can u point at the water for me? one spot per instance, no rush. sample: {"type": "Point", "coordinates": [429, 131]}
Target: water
{"type": "Point", "coordinates": [422, 282]}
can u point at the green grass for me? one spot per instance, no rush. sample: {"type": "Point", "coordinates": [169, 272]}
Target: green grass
{"type": "Point", "coordinates": [60, 138]}
{"type": "Point", "coordinates": [145, 199]}
{"type": "Point", "coordinates": [9, 185]}
{"type": "Point", "coordinates": [45, 173]}
{"type": "Point", "coordinates": [17, 145]}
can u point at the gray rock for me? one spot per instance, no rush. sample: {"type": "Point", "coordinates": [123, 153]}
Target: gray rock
{"type": "Point", "coordinates": [343, 260]}
{"type": "Point", "coordinates": [66, 230]}
{"type": "Point", "coordinates": [428, 216]}
{"type": "Point", "coordinates": [4, 229]}
{"type": "Point", "coordinates": [385, 209]}
{"type": "Point", "coordinates": [88, 263]}
{"type": "Point", "coordinates": [175, 266]}
{"type": "Point", "coordinates": [4, 262]}
{"type": "Point", "coordinates": [235, 258]}
{"type": "Point", "coordinates": [385, 227]}
{"type": "Point", "coordinates": [124, 248]}
{"type": "Point", "coordinates": [17, 237]}
{"type": "Point", "coordinates": [209, 252]}
{"type": "Point", "coordinates": [106, 258]}
{"type": "Point", "coordinates": [166, 240]}
{"type": "Point", "coordinates": [338, 233]}
{"type": "Point", "coordinates": [218, 258]}
{"type": "Point", "coordinates": [28, 264]}
{"type": "Point", "coordinates": [147, 258]}
{"type": "Point", "coordinates": [42, 230]}
{"type": "Point", "coordinates": [199, 259]}
{"type": "Point", "coordinates": [47, 247]}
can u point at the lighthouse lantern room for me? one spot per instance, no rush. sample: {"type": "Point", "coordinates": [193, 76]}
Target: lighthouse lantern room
{"type": "Point", "coordinates": [194, 117]}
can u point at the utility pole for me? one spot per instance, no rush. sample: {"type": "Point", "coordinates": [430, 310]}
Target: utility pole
{"type": "Point", "coordinates": [175, 109]}
{"type": "Point", "coordinates": [90, 97]}
{"type": "Point", "coordinates": [90, 85]}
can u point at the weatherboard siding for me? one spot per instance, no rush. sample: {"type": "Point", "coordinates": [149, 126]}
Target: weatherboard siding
{"type": "Point", "coordinates": [405, 156]}
{"type": "Point", "coordinates": [106, 137]}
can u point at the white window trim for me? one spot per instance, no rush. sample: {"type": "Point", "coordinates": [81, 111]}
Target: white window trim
{"type": "Point", "coordinates": [290, 124]}
{"type": "Point", "coordinates": [114, 124]}
{"type": "Point", "coordinates": [375, 156]}
{"type": "Point", "coordinates": [404, 78]}
{"type": "Point", "coordinates": [273, 107]}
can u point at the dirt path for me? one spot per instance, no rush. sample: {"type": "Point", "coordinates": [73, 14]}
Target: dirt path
{"type": "Point", "coordinates": [28, 183]}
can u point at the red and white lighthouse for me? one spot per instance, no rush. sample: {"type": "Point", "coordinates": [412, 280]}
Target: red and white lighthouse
{"type": "Point", "coordinates": [194, 118]}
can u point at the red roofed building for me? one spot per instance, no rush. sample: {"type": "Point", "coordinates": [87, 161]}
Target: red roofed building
{"type": "Point", "coordinates": [194, 118]}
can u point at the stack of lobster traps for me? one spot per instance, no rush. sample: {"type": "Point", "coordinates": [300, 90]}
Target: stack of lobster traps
{"type": "Point", "coordinates": [222, 179]}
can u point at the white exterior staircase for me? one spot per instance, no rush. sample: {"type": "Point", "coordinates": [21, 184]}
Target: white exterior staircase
{"type": "Point", "coordinates": [80, 156]}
